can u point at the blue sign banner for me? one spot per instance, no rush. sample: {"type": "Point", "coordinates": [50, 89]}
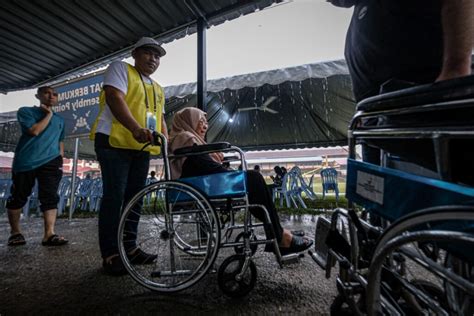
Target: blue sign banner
{"type": "Point", "coordinates": [78, 104]}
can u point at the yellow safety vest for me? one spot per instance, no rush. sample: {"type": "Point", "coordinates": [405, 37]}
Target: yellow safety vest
{"type": "Point", "coordinates": [121, 137]}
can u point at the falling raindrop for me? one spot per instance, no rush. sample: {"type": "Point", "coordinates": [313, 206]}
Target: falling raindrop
{"type": "Point", "coordinates": [255, 97]}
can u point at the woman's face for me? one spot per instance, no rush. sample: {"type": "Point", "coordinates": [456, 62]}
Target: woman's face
{"type": "Point", "coordinates": [202, 126]}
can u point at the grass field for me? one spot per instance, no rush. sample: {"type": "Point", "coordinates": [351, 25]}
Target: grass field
{"type": "Point", "coordinates": [314, 206]}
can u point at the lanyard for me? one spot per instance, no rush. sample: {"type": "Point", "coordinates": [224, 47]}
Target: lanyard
{"type": "Point", "coordinates": [146, 95]}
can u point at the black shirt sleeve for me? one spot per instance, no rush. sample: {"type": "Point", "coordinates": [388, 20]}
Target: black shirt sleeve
{"type": "Point", "coordinates": [201, 165]}
{"type": "Point", "coordinates": [343, 3]}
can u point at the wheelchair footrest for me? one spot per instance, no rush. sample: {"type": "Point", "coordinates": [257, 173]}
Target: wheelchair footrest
{"type": "Point", "coordinates": [320, 254]}
{"type": "Point", "coordinates": [292, 258]}
{"type": "Point", "coordinates": [318, 259]}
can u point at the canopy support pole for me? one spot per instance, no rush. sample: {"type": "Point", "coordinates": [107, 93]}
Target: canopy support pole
{"type": "Point", "coordinates": [73, 179]}
{"type": "Point", "coordinates": [201, 63]}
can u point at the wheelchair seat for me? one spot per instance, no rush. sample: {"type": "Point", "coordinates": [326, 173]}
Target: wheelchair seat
{"type": "Point", "coordinates": [429, 119]}
{"type": "Point", "coordinates": [408, 251]}
{"type": "Point", "coordinates": [438, 92]}
{"type": "Point", "coordinates": [220, 185]}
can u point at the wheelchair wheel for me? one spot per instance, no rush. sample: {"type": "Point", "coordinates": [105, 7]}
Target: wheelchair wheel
{"type": "Point", "coordinates": [227, 276]}
{"type": "Point", "coordinates": [240, 249]}
{"type": "Point", "coordinates": [180, 226]}
{"type": "Point", "coordinates": [412, 268]}
{"type": "Point", "coordinates": [459, 302]}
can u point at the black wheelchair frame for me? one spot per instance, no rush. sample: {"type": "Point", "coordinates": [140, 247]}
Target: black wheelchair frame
{"type": "Point", "coordinates": [413, 264]}
{"type": "Point", "coordinates": [186, 226]}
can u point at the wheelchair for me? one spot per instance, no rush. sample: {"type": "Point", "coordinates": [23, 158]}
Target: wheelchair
{"type": "Point", "coordinates": [405, 245]}
{"type": "Point", "coordinates": [187, 221]}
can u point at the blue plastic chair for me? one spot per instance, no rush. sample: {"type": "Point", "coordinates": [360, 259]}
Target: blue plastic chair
{"type": "Point", "coordinates": [5, 187]}
{"type": "Point", "coordinates": [329, 178]}
{"type": "Point", "coordinates": [82, 194]}
{"type": "Point", "coordinates": [96, 195]}
{"type": "Point", "coordinates": [64, 193]}
{"type": "Point", "coordinates": [291, 188]}
{"type": "Point", "coordinates": [150, 196]}
{"type": "Point", "coordinates": [32, 202]}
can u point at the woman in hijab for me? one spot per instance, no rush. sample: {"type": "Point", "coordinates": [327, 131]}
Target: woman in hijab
{"type": "Point", "coordinates": [189, 128]}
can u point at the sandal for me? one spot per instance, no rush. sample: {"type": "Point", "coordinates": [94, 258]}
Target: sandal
{"type": "Point", "coordinates": [300, 233]}
{"type": "Point", "coordinates": [54, 240]}
{"type": "Point", "coordinates": [16, 240]}
{"type": "Point", "coordinates": [298, 244]}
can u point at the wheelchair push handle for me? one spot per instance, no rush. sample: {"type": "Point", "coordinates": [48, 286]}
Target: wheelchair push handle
{"type": "Point", "coordinates": [202, 148]}
{"type": "Point", "coordinates": [158, 139]}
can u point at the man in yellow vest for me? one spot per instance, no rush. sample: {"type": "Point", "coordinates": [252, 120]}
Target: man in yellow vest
{"type": "Point", "coordinates": [131, 107]}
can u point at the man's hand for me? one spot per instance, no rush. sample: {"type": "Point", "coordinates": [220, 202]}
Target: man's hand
{"type": "Point", "coordinates": [143, 135]}
{"type": "Point", "coordinates": [46, 109]}
{"type": "Point", "coordinates": [39, 127]}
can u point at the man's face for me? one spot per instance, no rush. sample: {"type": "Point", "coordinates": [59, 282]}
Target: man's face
{"type": "Point", "coordinates": [147, 60]}
{"type": "Point", "coordinates": [48, 97]}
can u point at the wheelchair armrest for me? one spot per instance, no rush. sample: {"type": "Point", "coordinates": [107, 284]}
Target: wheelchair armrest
{"type": "Point", "coordinates": [202, 148]}
{"type": "Point", "coordinates": [231, 158]}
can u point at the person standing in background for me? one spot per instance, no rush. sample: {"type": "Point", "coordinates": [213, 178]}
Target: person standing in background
{"type": "Point", "coordinates": [38, 157]}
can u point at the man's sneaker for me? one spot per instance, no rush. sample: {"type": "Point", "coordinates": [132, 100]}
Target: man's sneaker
{"type": "Point", "coordinates": [141, 257]}
{"type": "Point", "coordinates": [114, 267]}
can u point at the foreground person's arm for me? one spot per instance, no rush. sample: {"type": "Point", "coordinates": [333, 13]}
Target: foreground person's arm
{"type": "Point", "coordinates": [458, 38]}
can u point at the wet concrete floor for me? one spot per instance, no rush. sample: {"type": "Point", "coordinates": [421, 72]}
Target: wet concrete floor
{"type": "Point", "coordinates": [69, 279]}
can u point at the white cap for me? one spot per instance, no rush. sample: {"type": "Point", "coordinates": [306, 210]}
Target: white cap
{"type": "Point", "coordinates": [149, 42]}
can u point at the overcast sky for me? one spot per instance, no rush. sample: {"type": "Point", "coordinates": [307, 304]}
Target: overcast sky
{"type": "Point", "coordinates": [296, 33]}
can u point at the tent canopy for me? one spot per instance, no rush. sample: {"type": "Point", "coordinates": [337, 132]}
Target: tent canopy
{"type": "Point", "coordinates": [48, 41]}
{"type": "Point", "coordinates": [308, 106]}
{"type": "Point", "coordinates": [305, 106]}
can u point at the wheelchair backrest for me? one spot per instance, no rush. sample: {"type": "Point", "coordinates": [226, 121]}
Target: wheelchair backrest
{"type": "Point", "coordinates": [392, 194]}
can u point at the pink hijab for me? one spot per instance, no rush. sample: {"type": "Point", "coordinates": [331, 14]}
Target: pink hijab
{"type": "Point", "coordinates": [183, 134]}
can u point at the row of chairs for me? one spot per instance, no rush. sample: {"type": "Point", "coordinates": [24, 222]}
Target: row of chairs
{"type": "Point", "coordinates": [88, 194]}
{"type": "Point", "coordinates": [87, 197]}
{"type": "Point", "coordinates": [89, 191]}
{"type": "Point", "coordinates": [294, 184]}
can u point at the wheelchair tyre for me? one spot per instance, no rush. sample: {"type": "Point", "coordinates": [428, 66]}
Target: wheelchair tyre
{"type": "Point", "coordinates": [403, 237]}
{"type": "Point", "coordinates": [166, 227]}
{"type": "Point", "coordinates": [227, 273]}
{"type": "Point", "coordinates": [460, 302]}
{"type": "Point", "coordinates": [339, 307]}
{"type": "Point", "coordinates": [240, 249]}
{"type": "Point", "coordinates": [425, 297]}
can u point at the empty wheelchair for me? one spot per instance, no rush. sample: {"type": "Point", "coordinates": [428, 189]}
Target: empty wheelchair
{"type": "Point", "coordinates": [187, 221]}
{"type": "Point", "coordinates": [410, 250]}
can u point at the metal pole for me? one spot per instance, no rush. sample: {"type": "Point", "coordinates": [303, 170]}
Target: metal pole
{"type": "Point", "coordinates": [73, 180]}
{"type": "Point", "coordinates": [201, 63]}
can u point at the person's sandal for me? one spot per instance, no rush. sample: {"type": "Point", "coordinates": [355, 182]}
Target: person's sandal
{"type": "Point", "coordinates": [16, 240]}
{"type": "Point", "coordinates": [298, 244]}
{"type": "Point", "coordinates": [300, 233]}
{"type": "Point", "coordinates": [54, 240]}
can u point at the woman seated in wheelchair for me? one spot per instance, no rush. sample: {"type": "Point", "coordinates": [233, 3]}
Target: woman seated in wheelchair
{"type": "Point", "coordinates": [189, 128]}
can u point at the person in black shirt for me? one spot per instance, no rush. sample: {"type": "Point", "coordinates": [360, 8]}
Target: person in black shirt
{"type": "Point", "coordinates": [188, 129]}
{"type": "Point", "coordinates": [406, 42]}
